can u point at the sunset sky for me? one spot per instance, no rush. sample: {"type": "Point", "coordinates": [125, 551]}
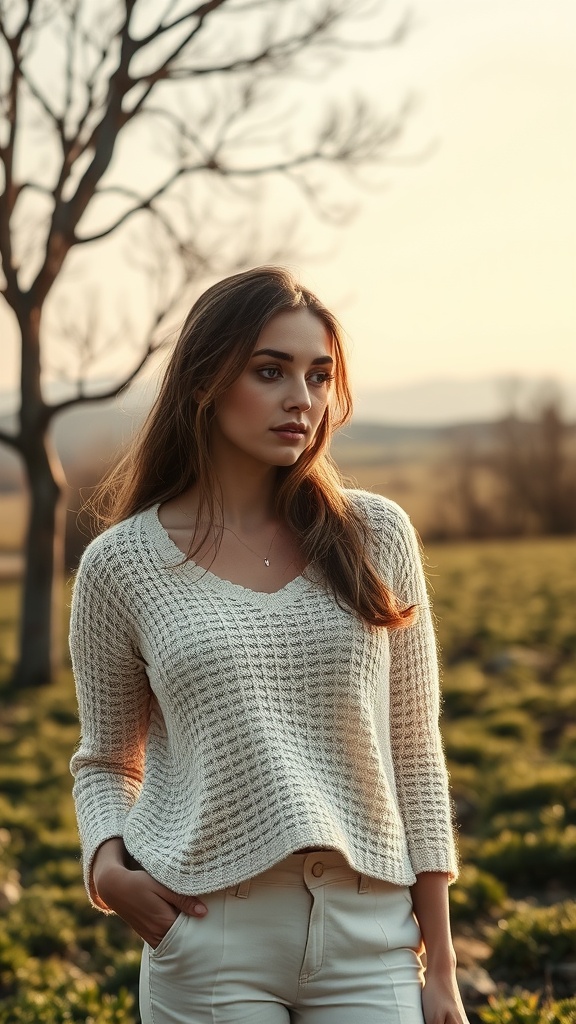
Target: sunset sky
{"type": "Point", "coordinates": [462, 267]}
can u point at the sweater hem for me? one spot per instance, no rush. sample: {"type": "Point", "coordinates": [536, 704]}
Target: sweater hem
{"type": "Point", "coordinates": [200, 884]}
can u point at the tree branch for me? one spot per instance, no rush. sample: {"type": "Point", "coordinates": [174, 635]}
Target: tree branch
{"type": "Point", "coordinates": [69, 71]}
{"type": "Point", "coordinates": [57, 121]}
{"type": "Point", "coordinates": [77, 145]}
{"type": "Point", "coordinates": [115, 390]}
{"type": "Point", "coordinates": [66, 215]}
{"type": "Point", "coordinates": [200, 12]}
{"type": "Point", "coordinates": [161, 72]}
{"type": "Point", "coordinates": [271, 52]}
{"type": "Point", "coordinates": [10, 194]}
{"type": "Point", "coordinates": [142, 204]}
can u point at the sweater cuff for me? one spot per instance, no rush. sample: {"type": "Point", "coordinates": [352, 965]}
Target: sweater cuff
{"type": "Point", "coordinates": [435, 860]}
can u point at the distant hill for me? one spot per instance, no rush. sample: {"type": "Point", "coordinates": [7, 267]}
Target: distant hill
{"type": "Point", "coordinates": [443, 402]}
{"type": "Point", "coordinates": [386, 443]}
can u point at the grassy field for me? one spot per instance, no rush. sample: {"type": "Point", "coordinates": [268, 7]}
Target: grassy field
{"type": "Point", "coordinates": [507, 631]}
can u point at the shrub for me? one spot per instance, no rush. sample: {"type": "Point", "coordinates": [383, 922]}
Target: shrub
{"type": "Point", "coordinates": [57, 993]}
{"type": "Point", "coordinates": [527, 1008]}
{"type": "Point", "coordinates": [532, 858]}
{"type": "Point", "coordinates": [38, 922]}
{"type": "Point", "coordinates": [533, 941]}
{"type": "Point", "coordinates": [528, 784]}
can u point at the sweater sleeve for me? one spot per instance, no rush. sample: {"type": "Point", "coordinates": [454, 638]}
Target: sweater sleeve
{"type": "Point", "coordinates": [419, 762]}
{"type": "Point", "coordinates": [113, 701]}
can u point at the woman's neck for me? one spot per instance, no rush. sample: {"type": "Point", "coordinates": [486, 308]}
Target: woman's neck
{"type": "Point", "coordinates": [246, 499]}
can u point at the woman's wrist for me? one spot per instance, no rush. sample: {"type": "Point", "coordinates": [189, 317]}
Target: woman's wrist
{"type": "Point", "coordinates": [441, 962]}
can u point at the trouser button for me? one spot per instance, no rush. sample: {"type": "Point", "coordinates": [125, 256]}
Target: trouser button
{"type": "Point", "coordinates": [318, 869]}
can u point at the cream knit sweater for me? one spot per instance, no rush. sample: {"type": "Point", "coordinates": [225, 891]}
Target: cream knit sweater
{"type": "Point", "coordinates": [224, 728]}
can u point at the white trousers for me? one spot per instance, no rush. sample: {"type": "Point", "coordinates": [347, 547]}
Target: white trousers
{"type": "Point", "coordinates": [308, 942]}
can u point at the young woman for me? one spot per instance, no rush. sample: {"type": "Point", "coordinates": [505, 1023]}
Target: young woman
{"type": "Point", "coordinates": [260, 784]}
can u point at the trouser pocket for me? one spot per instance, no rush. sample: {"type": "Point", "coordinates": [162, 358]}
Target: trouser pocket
{"type": "Point", "coordinates": [170, 936]}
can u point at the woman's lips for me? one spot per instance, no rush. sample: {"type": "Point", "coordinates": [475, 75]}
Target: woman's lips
{"type": "Point", "coordinates": [287, 434]}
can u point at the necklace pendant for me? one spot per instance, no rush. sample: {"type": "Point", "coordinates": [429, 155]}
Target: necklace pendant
{"type": "Point", "coordinates": [267, 562]}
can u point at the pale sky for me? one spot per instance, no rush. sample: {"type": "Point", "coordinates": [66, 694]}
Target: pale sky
{"type": "Point", "coordinates": [464, 265]}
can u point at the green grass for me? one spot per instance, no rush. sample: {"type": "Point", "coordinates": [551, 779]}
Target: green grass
{"type": "Point", "coordinates": [507, 629]}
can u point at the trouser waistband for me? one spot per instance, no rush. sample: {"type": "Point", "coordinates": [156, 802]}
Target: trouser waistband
{"type": "Point", "coordinates": [311, 870]}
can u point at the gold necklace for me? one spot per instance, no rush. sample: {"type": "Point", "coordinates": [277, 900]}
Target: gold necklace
{"type": "Point", "coordinates": [266, 558]}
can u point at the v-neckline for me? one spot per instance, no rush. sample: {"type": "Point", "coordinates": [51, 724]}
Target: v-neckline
{"type": "Point", "coordinates": [169, 549]}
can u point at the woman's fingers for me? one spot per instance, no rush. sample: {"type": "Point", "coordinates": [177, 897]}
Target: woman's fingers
{"type": "Point", "coordinates": [188, 904]}
{"type": "Point", "coordinates": [149, 907]}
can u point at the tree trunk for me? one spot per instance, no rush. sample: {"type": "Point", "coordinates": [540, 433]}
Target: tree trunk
{"type": "Point", "coordinates": [40, 639]}
{"type": "Point", "coordinates": [41, 618]}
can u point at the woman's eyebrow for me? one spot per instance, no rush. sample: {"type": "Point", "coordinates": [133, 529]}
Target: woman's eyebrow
{"type": "Point", "coordinates": [287, 357]}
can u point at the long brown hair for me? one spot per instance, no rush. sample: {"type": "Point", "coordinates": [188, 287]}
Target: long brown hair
{"type": "Point", "coordinates": [172, 450]}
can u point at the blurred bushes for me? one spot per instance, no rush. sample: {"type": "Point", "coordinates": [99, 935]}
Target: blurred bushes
{"type": "Point", "coordinates": [528, 1008]}
{"type": "Point", "coordinates": [476, 894]}
{"type": "Point", "coordinates": [60, 962]}
{"type": "Point", "coordinates": [54, 992]}
{"type": "Point", "coordinates": [533, 941]}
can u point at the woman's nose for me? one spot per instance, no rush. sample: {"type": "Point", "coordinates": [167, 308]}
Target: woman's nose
{"type": "Point", "coordinates": [298, 396]}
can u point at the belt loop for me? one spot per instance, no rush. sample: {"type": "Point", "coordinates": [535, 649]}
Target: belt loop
{"type": "Point", "coordinates": [363, 884]}
{"type": "Point", "coordinates": [243, 890]}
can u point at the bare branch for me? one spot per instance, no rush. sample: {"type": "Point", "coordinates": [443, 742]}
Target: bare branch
{"type": "Point", "coordinates": [277, 54]}
{"type": "Point", "coordinates": [167, 301]}
{"type": "Point", "coordinates": [182, 127]}
{"type": "Point", "coordinates": [358, 148]}
{"type": "Point", "coordinates": [36, 93]}
{"type": "Point", "coordinates": [274, 53]}
{"type": "Point", "coordinates": [112, 392]}
{"type": "Point", "coordinates": [200, 12]}
{"type": "Point", "coordinates": [330, 212]}
{"type": "Point", "coordinates": [10, 194]}
{"type": "Point", "coordinates": [142, 204]}
{"type": "Point", "coordinates": [69, 70]}
{"type": "Point", "coordinates": [161, 72]}
{"type": "Point", "coordinates": [78, 145]}
{"type": "Point", "coordinates": [66, 215]}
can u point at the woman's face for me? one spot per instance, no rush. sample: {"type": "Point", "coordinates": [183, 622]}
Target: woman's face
{"type": "Point", "coordinates": [272, 412]}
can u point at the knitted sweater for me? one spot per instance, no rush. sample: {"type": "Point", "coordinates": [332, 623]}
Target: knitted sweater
{"type": "Point", "coordinates": [223, 728]}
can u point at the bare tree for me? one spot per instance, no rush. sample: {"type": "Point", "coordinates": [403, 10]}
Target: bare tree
{"type": "Point", "coordinates": [518, 476]}
{"type": "Point", "coordinates": [166, 117]}
{"type": "Point", "coordinates": [536, 462]}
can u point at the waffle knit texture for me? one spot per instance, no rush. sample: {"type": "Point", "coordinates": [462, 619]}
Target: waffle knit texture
{"type": "Point", "coordinates": [224, 728]}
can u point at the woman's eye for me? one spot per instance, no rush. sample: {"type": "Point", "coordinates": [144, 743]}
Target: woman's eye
{"type": "Point", "coordinates": [318, 378]}
{"type": "Point", "coordinates": [269, 372]}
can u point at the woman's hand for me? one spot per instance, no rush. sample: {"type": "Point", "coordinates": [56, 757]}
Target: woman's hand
{"type": "Point", "coordinates": [145, 904]}
{"type": "Point", "coordinates": [441, 1000]}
